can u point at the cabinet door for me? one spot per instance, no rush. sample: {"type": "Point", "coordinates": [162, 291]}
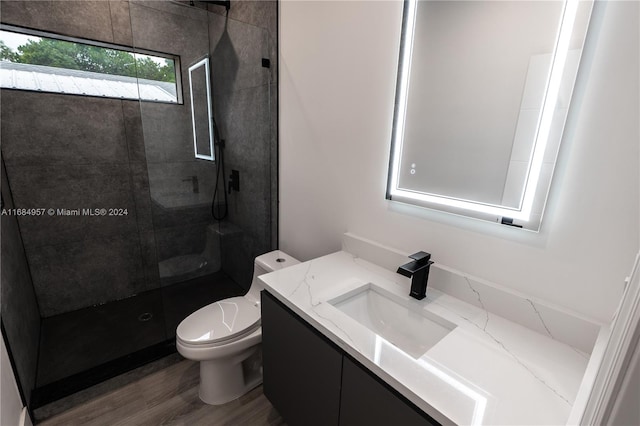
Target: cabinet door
{"type": "Point", "coordinates": [302, 371]}
{"type": "Point", "coordinates": [367, 402]}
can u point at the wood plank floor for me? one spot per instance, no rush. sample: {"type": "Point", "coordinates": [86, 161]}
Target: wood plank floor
{"type": "Point", "coordinates": [167, 397]}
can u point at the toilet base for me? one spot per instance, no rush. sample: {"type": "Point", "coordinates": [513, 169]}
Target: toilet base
{"type": "Point", "coordinates": [222, 381]}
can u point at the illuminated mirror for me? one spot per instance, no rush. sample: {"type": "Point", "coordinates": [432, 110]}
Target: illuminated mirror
{"type": "Point", "coordinates": [201, 115]}
{"type": "Point", "coordinates": [482, 95]}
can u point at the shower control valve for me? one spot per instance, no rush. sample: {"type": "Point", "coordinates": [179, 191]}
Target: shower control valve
{"type": "Point", "coordinates": [234, 181]}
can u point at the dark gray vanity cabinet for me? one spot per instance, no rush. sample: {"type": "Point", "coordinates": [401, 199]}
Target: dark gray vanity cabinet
{"type": "Point", "coordinates": [367, 402]}
{"type": "Point", "coordinates": [310, 381]}
{"type": "Point", "coordinates": [301, 372]}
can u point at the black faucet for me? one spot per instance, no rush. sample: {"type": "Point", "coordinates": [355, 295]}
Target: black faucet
{"type": "Point", "coordinates": [418, 271]}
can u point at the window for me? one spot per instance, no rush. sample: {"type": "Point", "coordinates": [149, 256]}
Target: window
{"type": "Point", "coordinates": [46, 63]}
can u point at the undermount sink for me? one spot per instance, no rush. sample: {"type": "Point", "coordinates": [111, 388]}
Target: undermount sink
{"type": "Point", "coordinates": [407, 327]}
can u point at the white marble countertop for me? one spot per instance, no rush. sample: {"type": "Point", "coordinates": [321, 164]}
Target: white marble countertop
{"type": "Point", "coordinates": [488, 370]}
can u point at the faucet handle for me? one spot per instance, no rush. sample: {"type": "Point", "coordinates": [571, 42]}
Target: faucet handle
{"type": "Point", "coordinates": [421, 257]}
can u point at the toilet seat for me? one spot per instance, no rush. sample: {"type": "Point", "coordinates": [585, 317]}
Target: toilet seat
{"type": "Point", "coordinates": [220, 322]}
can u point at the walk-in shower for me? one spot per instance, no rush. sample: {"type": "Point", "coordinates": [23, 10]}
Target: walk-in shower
{"type": "Point", "coordinates": [87, 296]}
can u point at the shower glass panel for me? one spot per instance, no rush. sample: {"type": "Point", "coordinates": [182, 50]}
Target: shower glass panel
{"type": "Point", "coordinates": [110, 289]}
{"type": "Point", "coordinates": [197, 259]}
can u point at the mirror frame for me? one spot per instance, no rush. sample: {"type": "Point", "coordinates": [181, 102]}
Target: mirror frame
{"type": "Point", "coordinates": [518, 217]}
{"type": "Point", "coordinates": [211, 156]}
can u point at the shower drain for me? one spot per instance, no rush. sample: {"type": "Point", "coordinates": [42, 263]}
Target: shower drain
{"type": "Point", "coordinates": [145, 316]}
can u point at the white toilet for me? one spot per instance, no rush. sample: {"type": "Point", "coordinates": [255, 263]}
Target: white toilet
{"type": "Point", "coordinates": [225, 337]}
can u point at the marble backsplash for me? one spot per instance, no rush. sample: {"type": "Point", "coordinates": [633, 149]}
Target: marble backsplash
{"type": "Point", "coordinates": [556, 322]}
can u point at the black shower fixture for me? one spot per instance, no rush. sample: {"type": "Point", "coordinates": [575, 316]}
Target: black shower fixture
{"type": "Point", "coordinates": [225, 3]}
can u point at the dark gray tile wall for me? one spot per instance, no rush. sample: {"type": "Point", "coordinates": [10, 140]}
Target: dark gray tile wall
{"type": "Point", "coordinates": [244, 108]}
{"type": "Point", "coordinates": [69, 152]}
{"type": "Point", "coordinates": [181, 187]}
{"type": "Point", "coordinates": [38, 123]}
{"type": "Point", "coordinates": [92, 271]}
{"type": "Point", "coordinates": [95, 20]}
{"type": "Point", "coordinates": [262, 14]}
{"type": "Point", "coordinates": [71, 187]}
{"type": "Point", "coordinates": [18, 304]}
{"type": "Point", "coordinates": [75, 152]}
{"type": "Point", "coordinates": [121, 22]}
{"type": "Point", "coordinates": [246, 112]}
{"type": "Point", "coordinates": [80, 152]}
{"type": "Point", "coordinates": [167, 27]}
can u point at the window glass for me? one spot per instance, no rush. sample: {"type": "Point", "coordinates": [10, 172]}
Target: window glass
{"type": "Point", "coordinates": [46, 64]}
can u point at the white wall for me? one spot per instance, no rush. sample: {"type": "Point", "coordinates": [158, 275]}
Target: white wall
{"type": "Point", "coordinates": [337, 78]}
{"type": "Point", "coordinates": [11, 410]}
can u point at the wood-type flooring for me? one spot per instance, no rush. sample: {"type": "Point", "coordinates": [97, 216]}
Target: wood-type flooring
{"type": "Point", "coordinates": [167, 397]}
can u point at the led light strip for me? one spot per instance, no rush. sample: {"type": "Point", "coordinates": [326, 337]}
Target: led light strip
{"type": "Point", "coordinates": [193, 67]}
{"type": "Point", "coordinates": [398, 136]}
{"type": "Point", "coordinates": [549, 106]}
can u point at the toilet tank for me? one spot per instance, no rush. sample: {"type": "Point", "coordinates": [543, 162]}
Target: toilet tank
{"type": "Point", "coordinates": [268, 262]}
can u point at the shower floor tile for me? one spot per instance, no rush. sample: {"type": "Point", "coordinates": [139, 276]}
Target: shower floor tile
{"type": "Point", "coordinates": [77, 341]}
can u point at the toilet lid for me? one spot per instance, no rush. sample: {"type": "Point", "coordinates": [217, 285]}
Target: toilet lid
{"type": "Point", "coordinates": [220, 321]}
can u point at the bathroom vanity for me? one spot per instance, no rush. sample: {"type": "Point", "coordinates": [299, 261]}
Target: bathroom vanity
{"type": "Point", "coordinates": [343, 343]}
{"type": "Point", "coordinates": [314, 382]}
